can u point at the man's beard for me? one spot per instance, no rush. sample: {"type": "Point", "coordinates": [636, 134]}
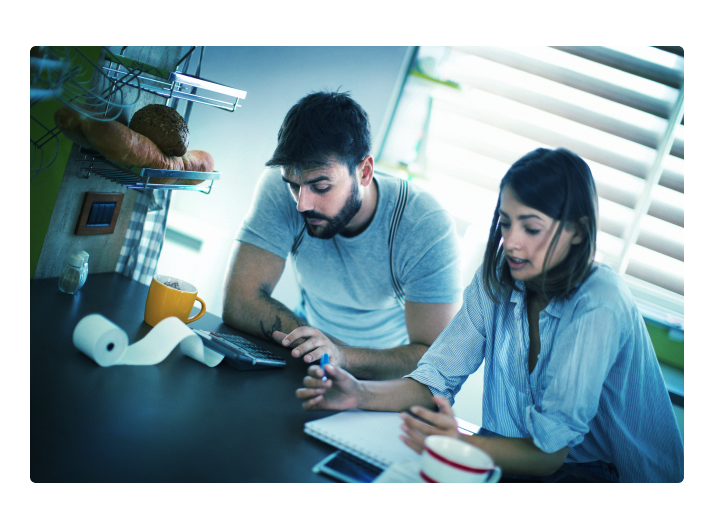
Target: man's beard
{"type": "Point", "coordinates": [338, 222]}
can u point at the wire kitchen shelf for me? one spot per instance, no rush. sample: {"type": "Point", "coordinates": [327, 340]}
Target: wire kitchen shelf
{"type": "Point", "coordinates": [169, 84]}
{"type": "Point", "coordinates": [45, 148]}
{"type": "Point", "coordinates": [141, 179]}
{"type": "Point", "coordinates": [67, 74]}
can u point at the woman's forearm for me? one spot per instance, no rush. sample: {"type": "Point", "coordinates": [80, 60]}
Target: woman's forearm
{"type": "Point", "coordinates": [519, 456]}
{"type": "Point", "coordinates": [394, 395]}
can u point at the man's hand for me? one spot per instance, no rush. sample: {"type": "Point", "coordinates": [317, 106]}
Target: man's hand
{"type": "Point", "coordinates": [438, 423]}
{"type": "Point", "coordinates": [310, 343]}
{"type": "Point", "coordinates": [339, 391]}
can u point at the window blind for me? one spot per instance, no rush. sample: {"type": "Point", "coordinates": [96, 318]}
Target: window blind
{"type": "Point", "coordinates": [467, 113]}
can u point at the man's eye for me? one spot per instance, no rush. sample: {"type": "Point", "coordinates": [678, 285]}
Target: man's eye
{"type": "Point", "coordinates": [294, 187]}
{"type": "Point", "coordinates": [321, 190]}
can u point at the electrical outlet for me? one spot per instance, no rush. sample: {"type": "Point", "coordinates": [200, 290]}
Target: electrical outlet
{"type": "Point", "coordinates": [99, 213]}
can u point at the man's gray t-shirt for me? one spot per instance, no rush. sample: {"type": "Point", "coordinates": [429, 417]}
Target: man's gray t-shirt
{"type": "Point", "coordinates": [346, 282]}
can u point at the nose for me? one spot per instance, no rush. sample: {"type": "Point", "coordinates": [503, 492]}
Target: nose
{"type": "Point", "coordinates": [511, 238]}
{"type": "Point", "coordinates": [306, 200]}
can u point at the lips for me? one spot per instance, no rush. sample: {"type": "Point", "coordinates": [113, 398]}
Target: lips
{"type": "Point", "coordinates": [314, 218]}
{"type": "Point", "coordinates": [516, 263]}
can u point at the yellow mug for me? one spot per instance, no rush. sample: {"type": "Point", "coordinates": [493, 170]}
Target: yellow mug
{"type": "Point", "coordinates": [169, 296]}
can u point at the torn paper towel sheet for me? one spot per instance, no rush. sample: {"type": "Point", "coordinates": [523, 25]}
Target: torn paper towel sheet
{"type": "Point", "coordinates": [107, 343]}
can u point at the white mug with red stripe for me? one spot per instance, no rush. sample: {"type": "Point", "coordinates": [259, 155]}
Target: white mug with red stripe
{"type": "Point", "coordinates": [448, 460]}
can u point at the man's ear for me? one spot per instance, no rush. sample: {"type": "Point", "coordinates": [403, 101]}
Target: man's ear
{"type": "Point", "coordinates": [366, 171]}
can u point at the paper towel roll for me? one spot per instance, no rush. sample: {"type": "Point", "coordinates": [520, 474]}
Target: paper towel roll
{"type": "Point", "coordinates": [106, 343]}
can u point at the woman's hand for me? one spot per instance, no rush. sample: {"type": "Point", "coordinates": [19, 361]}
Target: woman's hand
{"type": "Point", "coordinates": [339, 391]}
{"type": "Point", "coordinates": [310, 343]}
{"type": "Point", "coordinates": [438, 423]}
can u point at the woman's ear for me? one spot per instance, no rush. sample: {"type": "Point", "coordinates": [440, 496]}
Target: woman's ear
{"type": "Point", "coordinates": [580, 229]}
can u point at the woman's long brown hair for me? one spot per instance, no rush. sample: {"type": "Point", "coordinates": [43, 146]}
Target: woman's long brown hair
{"type": "Point", "coordinates": [559, 184]}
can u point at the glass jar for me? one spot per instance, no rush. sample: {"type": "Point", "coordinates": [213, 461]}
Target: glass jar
{"type": "Point", "coordinates": [71, 274]}
{"type": "Point", "coordinates": [84, 269]}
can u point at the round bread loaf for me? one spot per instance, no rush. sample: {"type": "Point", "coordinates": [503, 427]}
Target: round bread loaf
{"type": "Point", "coordinates": [164, 126]}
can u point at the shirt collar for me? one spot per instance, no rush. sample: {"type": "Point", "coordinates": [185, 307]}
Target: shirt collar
{"type": "Point", "coordinates": [518, 297]}
{"type": "Point", "coordinates": [554, 308]}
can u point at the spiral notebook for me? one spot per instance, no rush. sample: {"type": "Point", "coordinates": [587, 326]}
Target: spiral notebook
{"type": "Point", "coordinates": [370, 435]}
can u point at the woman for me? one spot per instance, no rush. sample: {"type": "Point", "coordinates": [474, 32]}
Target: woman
{"type": "Point", "coordinates": [570, 373]}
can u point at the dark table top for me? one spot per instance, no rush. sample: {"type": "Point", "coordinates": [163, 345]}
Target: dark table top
{"type": "Point", "coordinates": [177, 421]}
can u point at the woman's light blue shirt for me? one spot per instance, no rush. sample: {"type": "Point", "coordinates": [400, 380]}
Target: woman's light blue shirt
{"type": "Point", "coordinates": [597, 386]}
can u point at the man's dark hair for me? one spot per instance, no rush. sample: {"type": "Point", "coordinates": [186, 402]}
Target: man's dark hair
{"type": "Point", "coordinates": [321, 126]}
{"type": "Point", "coordinates": [559, 184]}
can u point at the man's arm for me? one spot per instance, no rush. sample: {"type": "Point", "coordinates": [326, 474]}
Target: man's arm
{"type": "Point", "coordinates": [248, 306]}
{"type": "Point", "coordinates": [424, 322]}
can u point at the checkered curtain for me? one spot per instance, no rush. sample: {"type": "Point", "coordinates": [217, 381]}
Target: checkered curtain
{"type": "Point", "coordinates": [145, 235]}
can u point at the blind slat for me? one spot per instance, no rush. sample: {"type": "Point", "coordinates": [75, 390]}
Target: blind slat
{"type": "Point", "coordinates": [468, 135]}
{"type": "Point", "coordinates": [669, 274]}
{"type": "Point", "coordinates": [473, 72]}
{"type": "Point", "coordinates": [672, 77]}
{"type": "Point", "coordinates": [614, 92]}
{"type": "Point", "coordinates": [556, 132]}
{"type": "Point", "coordinates": [486, 173]}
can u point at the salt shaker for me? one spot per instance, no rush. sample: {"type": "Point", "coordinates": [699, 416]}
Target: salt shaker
{"type": "Point", "coordinates": [84, 269]}
{"type": "Point", "coordinates": [71, 274]}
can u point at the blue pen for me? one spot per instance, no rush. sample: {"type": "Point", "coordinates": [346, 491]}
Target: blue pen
{"type": "Point", "coordinates": [324, 361]}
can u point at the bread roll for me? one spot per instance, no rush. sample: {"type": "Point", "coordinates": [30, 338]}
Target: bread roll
{"type": "Point", "coordinates": [118, 143]}
{"type": "Point", "coordinates": [193, 160]}
{"type": "Point", "coordinates": [164, 126]}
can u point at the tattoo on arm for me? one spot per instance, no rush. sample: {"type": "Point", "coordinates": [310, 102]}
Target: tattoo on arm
{"type": "Point", "coordinates": [276, 326]}
{"type": "Point", "coordinates": [276, 307]}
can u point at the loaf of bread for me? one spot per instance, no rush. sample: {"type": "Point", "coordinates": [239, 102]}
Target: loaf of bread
{"type": "Point", "coordinates": [164, 126]}
{"type": "Point", "coordinates": [120, 144]}
{"type": "Point", "coordinates": [69, 122]}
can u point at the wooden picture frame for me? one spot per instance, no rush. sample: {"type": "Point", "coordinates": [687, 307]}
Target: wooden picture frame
{"type": "Point", "coordinates": [90, 199]}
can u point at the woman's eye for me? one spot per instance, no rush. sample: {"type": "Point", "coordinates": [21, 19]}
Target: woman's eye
{"type": "Point", "coordinates": [503, 225]}
{"type": "Point", "coordinates": [532, 231]}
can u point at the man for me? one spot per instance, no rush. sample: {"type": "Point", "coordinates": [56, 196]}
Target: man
{"type": "Point", "coordinates": [377, 260]}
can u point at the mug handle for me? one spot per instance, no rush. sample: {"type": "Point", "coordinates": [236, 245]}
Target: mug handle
{"type": "Point", "coordinates": [199, 314]}
{"type": "Point", "coordinates": [495, 475]}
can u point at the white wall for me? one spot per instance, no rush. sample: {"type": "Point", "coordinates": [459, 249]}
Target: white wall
{"type": "Point", "coordinates": [241, 142]}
